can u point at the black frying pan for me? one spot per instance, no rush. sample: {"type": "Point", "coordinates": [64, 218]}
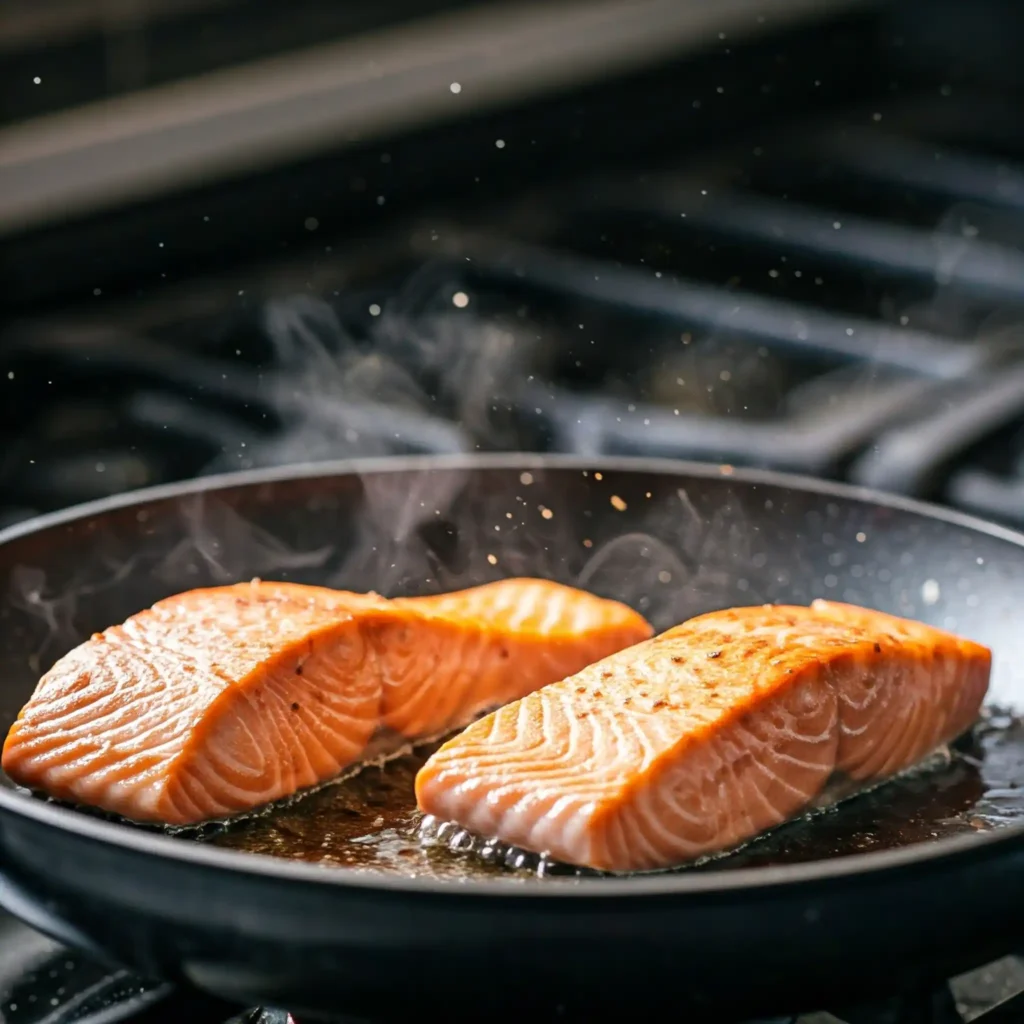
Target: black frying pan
{"type": "Point", "coordinates": [923, 878]}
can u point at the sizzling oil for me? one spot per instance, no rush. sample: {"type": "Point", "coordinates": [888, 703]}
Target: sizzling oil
{"type": "Point", "coordinates": [370, 823]}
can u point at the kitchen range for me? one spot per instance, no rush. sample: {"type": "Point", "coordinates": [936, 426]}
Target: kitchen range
{"type": "Point", "coordinates": [768, 240]}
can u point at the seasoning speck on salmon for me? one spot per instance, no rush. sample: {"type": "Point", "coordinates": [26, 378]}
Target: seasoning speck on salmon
{"type": "Point", "coordinates": [796, 697]}
{"type": "Point", "coordinates": [217, 701]}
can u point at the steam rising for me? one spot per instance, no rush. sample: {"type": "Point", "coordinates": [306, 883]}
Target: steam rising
{"type": "Point", "coordinates": [415, 532]}
{"type": "Point", "coordinates": [424, 377]}
{"type": "Point", "coordinates": [425, 372]}
{"type": "Point", "coordinates": [425, 365]}
{"type": "Point", "coordinates": [680, 567]}
{"type": "Point", "coordinates": [389, 551]}
{"type": "Point", "coordinates": [28, 592]}
{"type": "Point", "coordinates": [229, 549]}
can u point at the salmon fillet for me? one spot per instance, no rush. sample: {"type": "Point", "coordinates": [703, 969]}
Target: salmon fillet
{"type": "Point", "coordinates": [217, 701]}
{"type": "Point", "coordinates": [502, 641]}
{"type": "Point", "coordinates": [703, 737]}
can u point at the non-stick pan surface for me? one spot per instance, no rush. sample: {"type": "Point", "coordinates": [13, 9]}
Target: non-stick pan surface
{"type": "Point", "coordinates": [924, 877]}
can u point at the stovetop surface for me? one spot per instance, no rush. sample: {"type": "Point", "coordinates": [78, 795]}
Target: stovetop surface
{"type": "Point", "coordinates": [841, 299]}
{"type": "Point", "coordinates": [839, 295]}
{"type": "Point", "coordinates": [42, 982]}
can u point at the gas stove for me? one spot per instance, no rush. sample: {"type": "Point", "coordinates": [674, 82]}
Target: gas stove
{"type": "Point", "coordinates": [800, 253]}
{"type": "Point", "coordinates": [41, 982]}
{"type": "Point", "coordinates": [840, 297]}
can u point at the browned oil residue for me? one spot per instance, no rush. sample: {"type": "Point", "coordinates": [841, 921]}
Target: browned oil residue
{"type": "Point", "coordinates": [370, 823]}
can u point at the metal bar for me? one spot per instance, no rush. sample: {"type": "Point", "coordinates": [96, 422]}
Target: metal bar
{"type": "Point", "coordinates": [909, 459]}
{"type": "Point", "coordinates": [983, 270]}
{"type": "Point", "coordinates": [28, 22]}
{"type": "Point", "coordinates": [252, 117]}
{"type": "Point", "coordinates": [691, 306]}
{"type": "Point", "coordinates": [945, 173]}
{"type": "Point", "coordinates": [111, 353]}
{"type": "Point", "coordinates": [815, 442]}
{"type": "Point", "coordinates": [988, 495]}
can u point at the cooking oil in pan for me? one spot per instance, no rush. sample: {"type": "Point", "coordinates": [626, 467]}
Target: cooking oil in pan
{"type": "Point", "coordinates": [369, 822]}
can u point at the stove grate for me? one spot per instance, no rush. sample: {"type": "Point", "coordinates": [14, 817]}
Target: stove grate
{"type": "Point", "coordinates": [842, 300]}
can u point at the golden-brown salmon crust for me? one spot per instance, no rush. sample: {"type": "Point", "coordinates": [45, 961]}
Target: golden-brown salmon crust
{"type": "Point", "coordinates": [217, 701]}
{"type": "Point", "coordinates": [703, 737]}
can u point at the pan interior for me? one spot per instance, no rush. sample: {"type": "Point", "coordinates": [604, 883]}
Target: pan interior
{"type": "Point", "coordinates": [671, 541]}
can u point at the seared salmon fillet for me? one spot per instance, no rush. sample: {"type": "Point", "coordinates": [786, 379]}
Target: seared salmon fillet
{"type": "Point", "coordinates": [210, 702]}
{"type": "Point", "coordinates": [503, 640]}
{"type": "Point", "coordinates": [216, 701]}
{"type": "Point", "coordinates": [703, 737]}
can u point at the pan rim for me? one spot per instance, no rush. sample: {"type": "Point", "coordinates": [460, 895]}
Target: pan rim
{"type": "Point", "coordinates": [682, 884]}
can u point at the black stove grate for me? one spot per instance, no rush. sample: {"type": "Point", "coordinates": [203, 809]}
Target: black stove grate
{"type": "Point", "coordinates": [844, 300]}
